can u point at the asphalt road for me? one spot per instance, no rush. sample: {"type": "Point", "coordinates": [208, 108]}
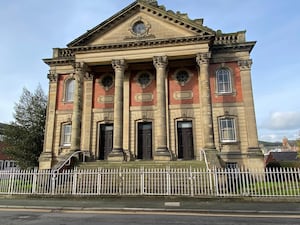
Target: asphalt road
{"type": "Point", "coordinates": [50, 217]}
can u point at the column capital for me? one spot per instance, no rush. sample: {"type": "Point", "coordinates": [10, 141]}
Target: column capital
{"type": "Point", "coordinates": [88, 76]}
{"type": "Point", "coordinates": [160, 61]}
{"type": "Point", "coordinates": [203, 58]}
{"type": "Point", "coordinates": [52, 76]}
{"type": "Point", "coordinates": [245, 64]}
{"type": "Point", "coordinates": [119, 64]}
{"type": "Point", "coordinates": [79, 67]}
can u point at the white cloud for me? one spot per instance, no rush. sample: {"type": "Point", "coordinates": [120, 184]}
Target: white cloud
{"type": "Point", "coordinates": [283, 121]}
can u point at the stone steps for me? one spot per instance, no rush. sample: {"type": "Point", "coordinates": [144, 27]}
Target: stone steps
{"type": "Point", "coordinates": [139, 164]}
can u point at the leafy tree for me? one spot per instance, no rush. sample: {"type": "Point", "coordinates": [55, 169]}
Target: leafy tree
{"type": "Point", "coordinates": [24, 137]}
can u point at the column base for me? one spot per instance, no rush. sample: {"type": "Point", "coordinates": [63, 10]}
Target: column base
{"type": "Point", "coordinates": [45, 161]}
{"type": "Point", "coordinates": [116, 155]}
{"type": "Point", "coordinates": [162, 154]}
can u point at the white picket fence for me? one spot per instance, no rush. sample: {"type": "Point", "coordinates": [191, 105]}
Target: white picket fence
{"type": "Point", "coordinates": [156, 182]}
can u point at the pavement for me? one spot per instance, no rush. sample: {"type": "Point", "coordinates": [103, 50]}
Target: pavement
{"type": "Point", "coordinates": [288, 206]}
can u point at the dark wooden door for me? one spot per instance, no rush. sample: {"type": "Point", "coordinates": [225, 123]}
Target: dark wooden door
{"type": "Point", "coordinates": [106, 140]}
{"type": "Point", "coordinates": [185, 140]}
{"type": "Point", "coordinates": [144, 141]}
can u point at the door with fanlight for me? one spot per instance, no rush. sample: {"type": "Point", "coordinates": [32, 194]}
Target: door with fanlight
{"type": "Point", "coordinates": [185, 140]}
{"type": "Point", "coordinates": [144, 151]}
{"type": "Point", "coordinates": [106, 140]}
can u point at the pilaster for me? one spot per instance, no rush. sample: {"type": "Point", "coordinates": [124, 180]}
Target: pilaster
{"type": "Point", "coordinates": [245, 72]}
{"type": "Point", "coordinates": [45, 159]}
{"type": "Point", "coordinates": [87, 112]}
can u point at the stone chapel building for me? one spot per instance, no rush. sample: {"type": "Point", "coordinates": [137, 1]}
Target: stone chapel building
{"type": "Point", "coordinates": [151, 84]}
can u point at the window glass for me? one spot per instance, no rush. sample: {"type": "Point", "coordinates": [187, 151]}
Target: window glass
{"type": "Point", "coordinates": [144, 79]}
{"type": "Point", "coordinates": [66, 134]}
{"type": "Point", "coordinates": [69, 94]}
{"type": "Point", "coordinates": [227, 130]}
{"type": "Point", "coordinates": [107, 81]}
{"type": "Point", "coordinates": [224, 81]}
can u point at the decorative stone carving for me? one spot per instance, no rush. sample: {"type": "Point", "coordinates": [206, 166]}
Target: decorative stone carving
{"type": "Point", "coordinates": [106, 99]}
{"type": "Point", "coordinates": [143, 97]}
{"type": "Point", "coordinates": [52, 76]}
{"type": "Point", "coordinates": [119, 64]}
{"type": "Point", "coordinates": [245, 64]}
{"type": "Point", "coordinates": [88, 76]}
{"type": "Point", "coordinates": [182, 95]}
{"type": "Point", "coordinates": [203, 58]}
{"type": "Point", "coordinates": [160, 61]}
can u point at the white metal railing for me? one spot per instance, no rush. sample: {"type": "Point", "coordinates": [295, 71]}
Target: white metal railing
{"type": "Point", "coordinates": [149, 181]}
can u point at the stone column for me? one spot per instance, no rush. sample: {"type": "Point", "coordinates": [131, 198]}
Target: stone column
{"type": "Point", "coordinates": [45, 159]}
{"type": "Point", "coordinates": [206, 103]}
{"type": "Point", "coordinates": [87, 112]}
{"type": "Point", "coordinates": [162, 152]}
{"type": "Point", "coordinates": [117, 153]}
{"type": "Point", "coordinates": [77, 101]}
{"type": "Point", "coordinates": [245, 72]}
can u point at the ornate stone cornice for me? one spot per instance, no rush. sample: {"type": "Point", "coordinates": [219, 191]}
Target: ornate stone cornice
{"type": "Point", "coordinates": [203, 58]}
{"type": "Point", "coordinates": [245, 64]}
{"type": "Point", "coordinates": [52, 76]}
{"type": "Point", "coordinates": [119, 64]}
{"type": "Point", "coordinates": [160, 61]}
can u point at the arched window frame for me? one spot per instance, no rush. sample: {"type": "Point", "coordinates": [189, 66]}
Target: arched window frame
{"type": "Point", "coordinates": [69, 90]}
{"type": "Point", "coordinates": [224, 84]}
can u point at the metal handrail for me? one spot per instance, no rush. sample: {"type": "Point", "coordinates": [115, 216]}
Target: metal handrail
{"type": "Point", "coordinates": [205, 159]}
{"type": "Point", "coordinates": [67, 161]}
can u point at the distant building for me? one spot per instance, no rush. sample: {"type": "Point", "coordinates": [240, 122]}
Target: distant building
{"type": "Point", "coordinates": [278, 157]}
{"type": "Point", "coordinates": [151, 84]}
{"type": "Point", "coordinates": [5, 161]}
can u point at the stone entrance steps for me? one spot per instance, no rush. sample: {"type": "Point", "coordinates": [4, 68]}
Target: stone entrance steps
{"type": "Point", "coordinates": [145, 164]}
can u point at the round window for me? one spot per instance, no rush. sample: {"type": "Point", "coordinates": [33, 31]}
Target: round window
{"type": "Point", "coordinates": [182, 76]}
{"type": "Point", "coordinates": [107, 81]}
{"type": "Point", "coordinates": [139, 28]}
{"type": "Point", "coordinates": [144, 79]}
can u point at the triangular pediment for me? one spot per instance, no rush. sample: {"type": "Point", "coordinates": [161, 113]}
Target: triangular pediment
{"type": "Point", "coordinates": [142, 20]}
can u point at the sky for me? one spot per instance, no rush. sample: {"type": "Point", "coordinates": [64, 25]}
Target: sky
{"type": "Point", "coordinates": [31, 28]}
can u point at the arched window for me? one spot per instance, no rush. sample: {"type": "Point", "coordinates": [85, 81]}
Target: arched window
{"type": "Point", "coordinates": [69, 90]}
{"type": "Point", "coordinates": [224, 84]}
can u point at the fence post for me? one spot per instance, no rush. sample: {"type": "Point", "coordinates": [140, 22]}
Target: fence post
{"type": "Point", "coordinates": [74, 184]}
{"type": "Point", "coordinates": [34, 180]}
{"type": "Point", "coordinates": [142, 172]}
{"type": "Point", "coordinates": [99, 172]}
{"type": "Point", "coordinates": [168, 180]}
{"type": "Point", "coordinates": [191, 181]}
{"type": "Point", "coordinates": [121, 180]}
{"type": "Point", "coordinates": [53, 178]}
{"type": "Point", "coordinates": [11, 182]}
{"type": "Point", "coordinates": [213, 173]}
